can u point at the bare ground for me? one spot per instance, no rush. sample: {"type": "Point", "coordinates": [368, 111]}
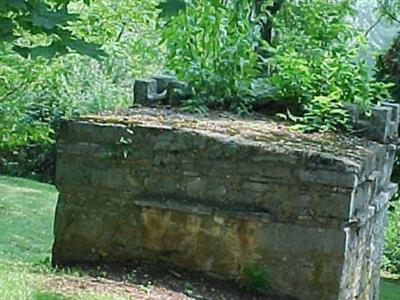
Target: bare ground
{"type": "Point", "coordinates": [151, 282]}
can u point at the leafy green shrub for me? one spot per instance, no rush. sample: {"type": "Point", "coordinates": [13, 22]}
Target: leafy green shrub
{"type": "Point", "coordinates": [316, 62]}
{"type": "Point", "coordinates": [17, 116]}
{"type": "Point", "coordinates": [38, 92]}
{"type": "Point", "coordinates": [391, 259]}
{"type": "Point", "coordinates": [312, 64]}
{"type": "Point", "coordinates": [213, 46]}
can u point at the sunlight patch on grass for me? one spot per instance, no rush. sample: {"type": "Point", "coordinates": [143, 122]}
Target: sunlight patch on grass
{"type": "Point", "coordinates": [26, 219]}
{"type": "Point", "coordinates": [14, 285]}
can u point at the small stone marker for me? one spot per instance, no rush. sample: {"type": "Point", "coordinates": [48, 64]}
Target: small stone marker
{"type": "Point", "coordinates": [160, 89]}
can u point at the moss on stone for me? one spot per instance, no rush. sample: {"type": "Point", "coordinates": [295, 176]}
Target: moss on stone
{"type": "Point", "coordinates": [255, 129]}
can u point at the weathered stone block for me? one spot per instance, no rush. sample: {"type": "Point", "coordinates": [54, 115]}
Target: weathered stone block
{"type": "Point", "coordinates": [220, 195]}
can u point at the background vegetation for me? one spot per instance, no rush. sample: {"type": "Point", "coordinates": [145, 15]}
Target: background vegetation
{"type": "Point", "coordinates": [311, 62]}
{"type": "Point", "coordinates": [35, 93]}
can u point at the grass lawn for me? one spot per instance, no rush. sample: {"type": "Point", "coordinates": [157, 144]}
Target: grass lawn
{"type": "Point", "coordinates": [26, 224]}
{"type": "Point", "coordinates": [390, 290]}
{"type": "Point", "coordinates": [26, 221]}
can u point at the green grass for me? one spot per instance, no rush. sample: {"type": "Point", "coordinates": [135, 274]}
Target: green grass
{"type": "Point", "coordinates": [390, 290]}
{"type": "Point", "coordinates": [26, 219]}
{"type": "Point", "coordinates": [26, 235]}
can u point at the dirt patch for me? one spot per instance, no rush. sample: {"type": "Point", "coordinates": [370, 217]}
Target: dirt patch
{"type": "Point", "coordinates": [148, 282]}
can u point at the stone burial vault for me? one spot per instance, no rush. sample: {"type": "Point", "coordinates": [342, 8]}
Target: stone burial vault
{"type": "Point", "coordinates": [220, 194]}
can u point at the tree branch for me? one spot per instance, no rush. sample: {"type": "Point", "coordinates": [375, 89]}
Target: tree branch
{"type": "Point", "coordinates": [373, 26]}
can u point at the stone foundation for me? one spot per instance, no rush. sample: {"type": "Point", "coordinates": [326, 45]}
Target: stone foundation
{"type": "Point", "coordinates": [220, 195]}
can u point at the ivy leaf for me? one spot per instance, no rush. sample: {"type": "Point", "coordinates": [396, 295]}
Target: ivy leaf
{"type": "Point", "coordinates": [60, 47]}
{"type": "Point", "coordinates": [42, 17]}
{"type": "Point", "coordinates": [170, 8]}
{"type": "Point", "coordinates": [49, 52]}
{"type": "Point", "coordinates": [7, 37]}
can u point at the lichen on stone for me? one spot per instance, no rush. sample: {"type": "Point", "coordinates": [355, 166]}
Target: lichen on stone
{"type": "Point", "coordinates": [255, 128]}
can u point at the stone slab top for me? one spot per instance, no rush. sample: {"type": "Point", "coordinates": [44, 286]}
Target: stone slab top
{"type": "Point", "coordinates": [255, 130]}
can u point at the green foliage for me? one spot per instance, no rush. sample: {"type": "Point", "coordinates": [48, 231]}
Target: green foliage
{"type": "Point", "coordinates": [213, 46]}
{"type": "Point", "coordinates": [313, 62]}
{"type": "Point", "coordinates": [41, 28]}
{"type": "Point", "coordinates": [15, 115]}
{"type": "Point", "coordinates": [389, 9]}
{"type": "Point", "coordinates": [171, 8]}
{"type": "Point", "coordinates": [316, 62]}
{"type": "Point", "coordinates": [321, 113]}
{"type": "Point", "coordinates": [391, 259]}
{"type": "Point", "coordinates": [254, 279]}
{"type": "Point", "coordinates": [36, 93]}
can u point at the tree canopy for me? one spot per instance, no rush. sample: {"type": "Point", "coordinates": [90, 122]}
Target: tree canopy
{"type": "Point", "coordinates": [42, 28]}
